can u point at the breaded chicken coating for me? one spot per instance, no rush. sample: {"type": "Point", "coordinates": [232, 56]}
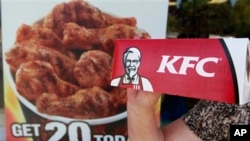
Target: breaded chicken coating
{"type": "Point", "coordinates": [37, 77]}
{"type": "Point", "coordinates": [120, 97]}
{"type": "Point", "coordinates": [62, 64]}
{"type": "Point", "coordinates": [77, 37]}
{"type": "Point", "coordinates": [93, 69]}
{"type": "Point", "coordinates": [82, 13]}
{"type": "Point", "coordinates": [38, 35]}
{"type": "Point", "coordinates": [84, 104]}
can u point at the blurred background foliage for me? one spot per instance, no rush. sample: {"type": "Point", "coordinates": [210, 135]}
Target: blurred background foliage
{"type": "Point", "coordinates": [199, 18]}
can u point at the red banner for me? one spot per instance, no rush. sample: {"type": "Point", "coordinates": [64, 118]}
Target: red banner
{"type": "Point", "coordinates": [197, 68]}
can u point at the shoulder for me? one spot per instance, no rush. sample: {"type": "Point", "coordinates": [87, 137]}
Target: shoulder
{"type": "Point", "coordinates": [145, 81]}
{"type": "Point", "coordinates": [146, 84]}
{"type": "Point", "coordinates": [116, 81]}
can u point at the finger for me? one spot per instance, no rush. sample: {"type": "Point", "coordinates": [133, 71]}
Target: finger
{"type": "Point", "coordinates": [132, 91]}
{"type": "Point", "coordinates": [132, 94]}
{"type": "Point", "coordinates": [149, 97]}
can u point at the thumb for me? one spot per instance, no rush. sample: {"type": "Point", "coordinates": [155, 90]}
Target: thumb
{"type": "Point", "coordinates": [132, 94]}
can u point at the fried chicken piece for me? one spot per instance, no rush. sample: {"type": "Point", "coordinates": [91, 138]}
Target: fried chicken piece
{"type": "Point", "coordinates": [84, 104]}
{"type": "Point", "coordinates": [77, 37]}
{"type": "Point", "coordinates": [120, 97]}
{"type": "Point", "coordinates": [62, 64]}
{"type": "Point", "coordinates": [82, 13]}
{"type": "Point", "coordinates": [93, 69]}
{"type": "Point", "coordinates": [32, 35]}
{"type": "Point", "coordinates": [40, 34]}
{"type": "Point", "coordinates": [37, 77]}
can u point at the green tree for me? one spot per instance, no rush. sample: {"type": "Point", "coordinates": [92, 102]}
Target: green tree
{"type": "Point", "coordinates": [241, 18]}
{"type": "Point", "coordinates": [197, 18]}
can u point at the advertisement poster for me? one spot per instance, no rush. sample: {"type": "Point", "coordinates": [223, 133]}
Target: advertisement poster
{"type": "Point", "coordinates": [57, 57]}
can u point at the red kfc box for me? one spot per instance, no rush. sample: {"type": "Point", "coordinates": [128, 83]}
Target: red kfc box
{"type": "Point", "coordinates": [212, 69]}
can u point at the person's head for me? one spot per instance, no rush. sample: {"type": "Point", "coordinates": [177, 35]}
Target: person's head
{"type": "Point", "coordinates": [131, 60]}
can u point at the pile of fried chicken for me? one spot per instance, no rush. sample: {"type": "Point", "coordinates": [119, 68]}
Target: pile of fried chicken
{"type": "Point", "coordinates": [63, 63]}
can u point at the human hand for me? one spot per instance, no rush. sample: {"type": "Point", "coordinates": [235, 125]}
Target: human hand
{"type": "Point", "coordinates": [142, 123]}
{"type": "Point", "coordinates": [142, 99]}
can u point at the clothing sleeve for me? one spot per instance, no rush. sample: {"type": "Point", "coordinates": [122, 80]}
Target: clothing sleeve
{"type": "Point", "coordinates": [211, 120]}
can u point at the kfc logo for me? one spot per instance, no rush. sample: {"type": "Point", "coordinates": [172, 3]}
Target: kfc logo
{"type": "Point", "coordinates": [131, 63]}
{"type": "Point", "coordinates": [191, 62]}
